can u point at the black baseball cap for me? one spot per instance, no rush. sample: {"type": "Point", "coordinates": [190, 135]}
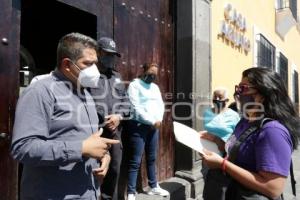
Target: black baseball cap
{"type": "Point", "coordinates": [108, 45]}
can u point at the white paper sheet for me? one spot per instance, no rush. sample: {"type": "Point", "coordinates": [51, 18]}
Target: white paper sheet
{"type": "Point", "coordinates": [191, 138]}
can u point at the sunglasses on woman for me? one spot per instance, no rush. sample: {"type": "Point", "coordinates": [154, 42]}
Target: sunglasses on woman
{"type": "Point", "coordinates": [242, 88]}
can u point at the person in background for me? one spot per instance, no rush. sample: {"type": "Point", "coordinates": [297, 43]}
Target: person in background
{"type": "Point", "coordinates": [112, 106]}
{"type": "Point", "coordinates": [235, 105]}
{"type": "Point", "coordinates": [143, 130]}
{"type": "Point", "coordinates": [55, 133]}
{"type": "Point", "coordinates": [219, 124]}
{"type": "Point", "coordinates": [263, 159]}
{"type": "Point", "coordinates": [219, 120]}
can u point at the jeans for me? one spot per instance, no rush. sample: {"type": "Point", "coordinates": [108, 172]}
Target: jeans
{"type": "Point", "coordinates": [140, 137]}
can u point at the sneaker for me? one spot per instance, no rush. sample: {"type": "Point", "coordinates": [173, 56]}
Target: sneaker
{"type": "Point", "coordinates": [131, 197]}
{"type": "Point", "coordinates": [158, 191]}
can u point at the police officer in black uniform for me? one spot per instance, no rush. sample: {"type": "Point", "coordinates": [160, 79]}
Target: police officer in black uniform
{"type": "Point", "coordinates": [112, 106]}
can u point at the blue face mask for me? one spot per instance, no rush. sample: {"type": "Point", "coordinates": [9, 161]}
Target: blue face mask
{"type": "Point", "coordinates": [108, 62]}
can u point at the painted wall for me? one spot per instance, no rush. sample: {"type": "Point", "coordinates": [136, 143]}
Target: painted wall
{"type": "Point", "coordinates": [228, 62]}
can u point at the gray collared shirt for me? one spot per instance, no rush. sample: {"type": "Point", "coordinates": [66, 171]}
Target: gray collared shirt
{"type": "Point", "coordinates": [51, 122]}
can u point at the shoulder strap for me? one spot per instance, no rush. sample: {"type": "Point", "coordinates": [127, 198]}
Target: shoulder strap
{"type": "Point", "coordinates": [264, 121]}
{"type": "Point", "coordinates": [293, 181]}
{"type": "Point", "coordinates": [235, 149]}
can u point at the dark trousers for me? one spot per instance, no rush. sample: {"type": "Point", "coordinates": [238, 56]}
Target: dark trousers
{"type": "Point", "coordinates": [109, 187]}
{"type": "Point", "coordinates": [215, 185]}
{"type": "Point", "coordinates": [140, 137]}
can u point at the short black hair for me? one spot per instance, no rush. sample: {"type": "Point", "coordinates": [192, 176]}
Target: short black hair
{"type": "Point", "coordinates": [72, 45]}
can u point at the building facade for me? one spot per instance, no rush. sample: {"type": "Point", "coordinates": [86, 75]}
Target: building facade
{"type": "Point", "coordinates": [255, 33]}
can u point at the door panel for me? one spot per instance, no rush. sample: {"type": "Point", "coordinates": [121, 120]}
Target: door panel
{"type": "Point", "coordinates": [9, 21]}
{"type": "Point", "coordinates": [143, 31]}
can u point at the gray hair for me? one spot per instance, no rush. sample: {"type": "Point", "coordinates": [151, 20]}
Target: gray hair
{"type": "Point", "coordinates": [222, 90]}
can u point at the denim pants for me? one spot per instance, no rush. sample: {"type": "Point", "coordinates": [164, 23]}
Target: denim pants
{"type": "Point", "coordinates": [140, 137]}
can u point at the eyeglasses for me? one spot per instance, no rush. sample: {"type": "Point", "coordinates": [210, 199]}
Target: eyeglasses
{"type": "Point", "coordinates": [240, 89]}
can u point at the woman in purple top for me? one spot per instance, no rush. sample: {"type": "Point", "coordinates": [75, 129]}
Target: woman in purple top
{"type": "Point", "coordinates": [263, 159]}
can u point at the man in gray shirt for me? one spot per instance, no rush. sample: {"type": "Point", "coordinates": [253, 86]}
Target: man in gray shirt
{"type": "Point", "coordinates": [56, 133]}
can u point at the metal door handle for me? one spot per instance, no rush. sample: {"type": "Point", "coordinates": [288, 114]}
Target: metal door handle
{"type": "Point", "coordinates": [3, 136]}
{"type": "Point", "coordinates": [4, 41]}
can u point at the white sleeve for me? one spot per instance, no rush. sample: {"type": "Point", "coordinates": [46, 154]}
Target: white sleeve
{"type": "Point", "coordinates": [141, 114]}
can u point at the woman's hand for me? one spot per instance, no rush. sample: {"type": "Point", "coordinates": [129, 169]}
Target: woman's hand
{"type": "Point", "coordinates": [208, 136]}
{"type": "Point", "coordinates": [211, 159]}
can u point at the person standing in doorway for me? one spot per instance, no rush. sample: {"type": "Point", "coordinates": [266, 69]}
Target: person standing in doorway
{"type": "Point", "coordinates": [112, 106]}
{"type": "Point", "coordinates": [148, 110]}
{"type": "Point", "coordinates": [55, 133]}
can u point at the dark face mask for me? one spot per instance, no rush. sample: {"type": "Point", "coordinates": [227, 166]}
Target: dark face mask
{"type": "Point", "coordinates": [149, 78]}
{"type": "Point", "coordinates": [219, 104]}
{"type": "Point", "coordinates": [246, 102]}
{"type": "Point", "coordinates": [108, 62]}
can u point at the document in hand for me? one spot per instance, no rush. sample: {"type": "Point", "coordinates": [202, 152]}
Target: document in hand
{"type": "Point", "coordinates": [191, 138]}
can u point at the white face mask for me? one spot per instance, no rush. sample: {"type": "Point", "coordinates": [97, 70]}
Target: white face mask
{"type": "Point", "coordinates": [89, 76]}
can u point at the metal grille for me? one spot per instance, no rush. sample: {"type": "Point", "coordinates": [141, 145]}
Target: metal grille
{"type": "Point", "coordinates": [265, 53]}
{"type": "Point", "coordinates": [283, 68]}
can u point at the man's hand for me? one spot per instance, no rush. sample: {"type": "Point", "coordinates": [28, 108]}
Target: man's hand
{"type": "Point", "coordinates": [112, 122]}
{"type": "Point", "coordinates": [157, 124]}
{"type": "Point", "coordinates": [100, 172]}
{"type": "Point", "coordinates": [96, 146]}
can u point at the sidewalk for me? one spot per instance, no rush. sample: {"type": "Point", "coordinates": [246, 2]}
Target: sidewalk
{"type": "Point", "coordinates": [180, 189]}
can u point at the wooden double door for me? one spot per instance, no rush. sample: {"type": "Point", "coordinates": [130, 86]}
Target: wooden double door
{"type": "Point", "coordinates": [29, 33]}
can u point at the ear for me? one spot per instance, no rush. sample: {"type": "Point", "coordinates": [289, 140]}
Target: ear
{"type": "Point", "coordinates": [65, 64]}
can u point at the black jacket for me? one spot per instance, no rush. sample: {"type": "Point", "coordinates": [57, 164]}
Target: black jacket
{"type": "Point", "coordinates": [111, 97]}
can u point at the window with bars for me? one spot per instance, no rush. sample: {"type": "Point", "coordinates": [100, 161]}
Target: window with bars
{"type": "Point", "coordinates": [265, 53]}
{"type": "Point", "coordinates": [293, 7]}
{"type": "Point", "coordinates": [283, 68]}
